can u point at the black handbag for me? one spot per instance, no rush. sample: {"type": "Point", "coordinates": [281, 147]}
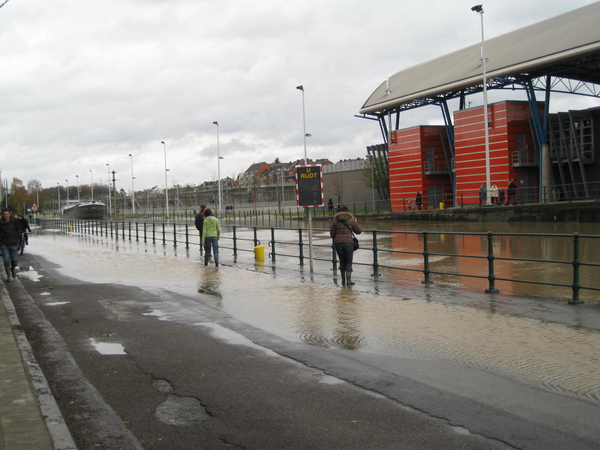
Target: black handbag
{"type": "Point", "coordinates": [354, 239]}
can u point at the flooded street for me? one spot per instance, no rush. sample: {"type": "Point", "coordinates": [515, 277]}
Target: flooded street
{"type": "Point", "coordinates": [397, 317]}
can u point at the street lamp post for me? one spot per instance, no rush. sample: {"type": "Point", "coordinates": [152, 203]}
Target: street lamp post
{"type": "Point", "coordinates": [92, 183]}
{"type": "Point", "coordinates": [109, 195]}
{"type": "Point", "coordinates": [132, 191]}
{"type": "Point", "coordinates": [166, 185]}
{"type": "Point", "coordinates": [219, 169]}
{"type": "Point", "coordinates": [373, 178]}
{"type": "Point", "coordinates": [309, 211]}
{"type": "Point", "coordinates": [282, 190]}
{"type": "Point", "coordinates": [479, 10]}
{"type": "Point", "coordinates": [78, 198]}
{"type": "Point", "coordinates": [67, 181]}
{"type": "Point", "coordinates": [58, 195]}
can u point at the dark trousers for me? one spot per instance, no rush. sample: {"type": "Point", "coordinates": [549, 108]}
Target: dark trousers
{"type": "Point", "coordinates": [212, 246]}
{"type": "Point", "coordinates": [345, 252]}
{"type": "Point", "coordinates": [10, 254]}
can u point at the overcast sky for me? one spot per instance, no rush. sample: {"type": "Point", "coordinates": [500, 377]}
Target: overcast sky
{"type": "Point", "coordinates": [84, 84]}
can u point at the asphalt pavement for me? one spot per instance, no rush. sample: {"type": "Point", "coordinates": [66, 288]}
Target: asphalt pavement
{"type": "Point", "coordinates": [87, 365]}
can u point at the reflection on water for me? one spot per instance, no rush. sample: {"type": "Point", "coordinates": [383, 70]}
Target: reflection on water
{"type": "Point", "coordinates": [549, 355]}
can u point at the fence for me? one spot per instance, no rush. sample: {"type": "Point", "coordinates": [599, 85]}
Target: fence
{"type": "Point", "coordinates": [292, 243]}
{"type": "Point", "coordinates": [524, 195]}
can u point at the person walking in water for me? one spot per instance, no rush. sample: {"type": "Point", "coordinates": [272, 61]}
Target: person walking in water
{"type": "Point", "coordinates": [344, 224]}
{"type": "Point", "coordinates": [211, 231]}
{"type": "Point", "coordinates": [10, 233]}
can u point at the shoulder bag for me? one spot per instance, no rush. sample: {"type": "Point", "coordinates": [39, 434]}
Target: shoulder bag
{"type": "Point", "coordinates": [354, 239]}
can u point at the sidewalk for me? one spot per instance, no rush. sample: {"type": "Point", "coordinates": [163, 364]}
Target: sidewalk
{"type": "Point", "coordinates": [29, 416]}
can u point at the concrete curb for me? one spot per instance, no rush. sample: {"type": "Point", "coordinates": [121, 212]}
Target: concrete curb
{"type": "Point", "coordinates": [55, 422]}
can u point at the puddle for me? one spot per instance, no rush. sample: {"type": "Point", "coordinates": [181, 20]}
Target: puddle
{"type": "Point", "coordinates": [234, 338]}
{"type": "Point", "coordinates": [30, 273]}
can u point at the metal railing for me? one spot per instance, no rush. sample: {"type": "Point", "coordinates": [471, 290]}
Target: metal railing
{"type": "Point", "coordinates": [241, 238]}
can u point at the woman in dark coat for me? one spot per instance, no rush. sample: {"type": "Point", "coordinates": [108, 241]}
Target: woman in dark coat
{"type": "Point", "coordinates": [341, 230]}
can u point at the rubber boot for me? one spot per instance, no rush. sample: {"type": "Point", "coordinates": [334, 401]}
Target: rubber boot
{"type": "Point", "coordinates": [343, 272]}
{"type": "Point", "coordinates": [349, 278]}
{"type": "Point", "coordinates": [7, 270]}
{"type": "Point", "coordinates": [12, 270]}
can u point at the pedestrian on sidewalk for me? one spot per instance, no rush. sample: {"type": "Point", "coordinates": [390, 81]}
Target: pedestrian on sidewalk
{"type": "Point", "coordinates": [211, 231]}
{"type": "Point", "coordinates": [512, 192]}
{"type": "Point", "coordinates": [344, 224]}
{"type": "Point", "coordinates": [482, 195]}
{"type": "Point", "coordinates": [494, 193]}
{"type": "Point", "coordinates": [25, 228]}
{"type": "Point", "coordinates": [10, 233]}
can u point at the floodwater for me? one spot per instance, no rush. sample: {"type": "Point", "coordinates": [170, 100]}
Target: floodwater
{"type": "Point", "coordinates": [392, 317]}
{"type": "Point", "coordinates": [520, 262]}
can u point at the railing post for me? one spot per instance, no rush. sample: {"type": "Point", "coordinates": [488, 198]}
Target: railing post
{"type": "Point", "coordinates": [187, 236]}
{"type": "Point", "coordinates": [490, 257]}
{"type": "Point", "coordinates": [145, 232]}
{"type": "Point", "coordinates": [153, 232]}
{"type": "Point", "coordinates": [123, 230]}
{"type": "Point", "coordinates": [137, 233]}
{"type": "Point", "coordinates": [234, 241]}
{"type": "Point", "coordinates": [273, 244]}
{"type": "Point", "coordinates": [375, 259]}
{"type": "Point", "coordinates": [301, 247]}
{"type": "Point", "coordinates": [129, 227]}
{"type": "Point", "coordinates": [426, 270]}
{"type": "Point", "coordinates": [576, 300]}
{"type": "Point", "coordinates": [164, 236]}
{"type": "Point", "coordinates": [174, 234]}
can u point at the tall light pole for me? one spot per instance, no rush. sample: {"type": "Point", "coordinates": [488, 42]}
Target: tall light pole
{"type": "Point", "coordinates": [309, 211]}
{"type": "Point", "coordinates": [132, 191]}
{"type": "Point", "coordinates": [108, 181]}
{"type": "Point", "coordinates": [219, 168]}
{"type": "Point", "coordinates": [166, 185]}
{"type": "Point", "coordinates": [67, 181]}
{"type": "Point", "coordinates": [78, 198]}
{"type": "Point", "coordinates": [58, 195]}
{"type": "Point", "coordinates": [92, 183]}
{"type": "Point", "coordinates": [479, 10]}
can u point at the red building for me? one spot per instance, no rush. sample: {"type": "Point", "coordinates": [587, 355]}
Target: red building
{"type": "Point", "coordinates": [512, 150]}
{"type": "Point", "coordinates": [420, 157]}
{"type": "Point", "coordinates": [419, 161]}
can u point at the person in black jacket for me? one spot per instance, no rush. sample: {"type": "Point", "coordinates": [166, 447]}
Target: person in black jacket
{"type": "Point", "coordinates": [344, 224]}
{"type": "Point", "coordinates": [24, 227]}
{"type": "Point", "coordinates": [199, 222]}
{"type": "Point", "coordinates": [10, 233]}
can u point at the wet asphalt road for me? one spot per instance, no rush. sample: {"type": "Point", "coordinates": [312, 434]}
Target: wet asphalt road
{"type": "Point", "coordinates": [219, 383]}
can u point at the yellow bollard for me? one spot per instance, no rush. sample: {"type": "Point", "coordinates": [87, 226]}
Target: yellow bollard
{"type": "Point", "coordinates": [70, 228]}
{"type": "Point", "coordinates": [259, 253]}
{"type": "Point", "coordinates": [441, 205]}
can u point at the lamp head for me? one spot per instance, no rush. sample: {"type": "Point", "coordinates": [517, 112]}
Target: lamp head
{"type": "Point", "coordinates": [300, 88]}
{"type": "Point", "coordinates": [162, 142]}
{"type": "Point", "coordinates": [216, 123]}
{"type": "Point", "coordinates": [477, 8]}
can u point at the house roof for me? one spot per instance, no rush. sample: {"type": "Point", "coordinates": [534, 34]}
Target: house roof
{"type": "Point", "coordinates": [554, 46]}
